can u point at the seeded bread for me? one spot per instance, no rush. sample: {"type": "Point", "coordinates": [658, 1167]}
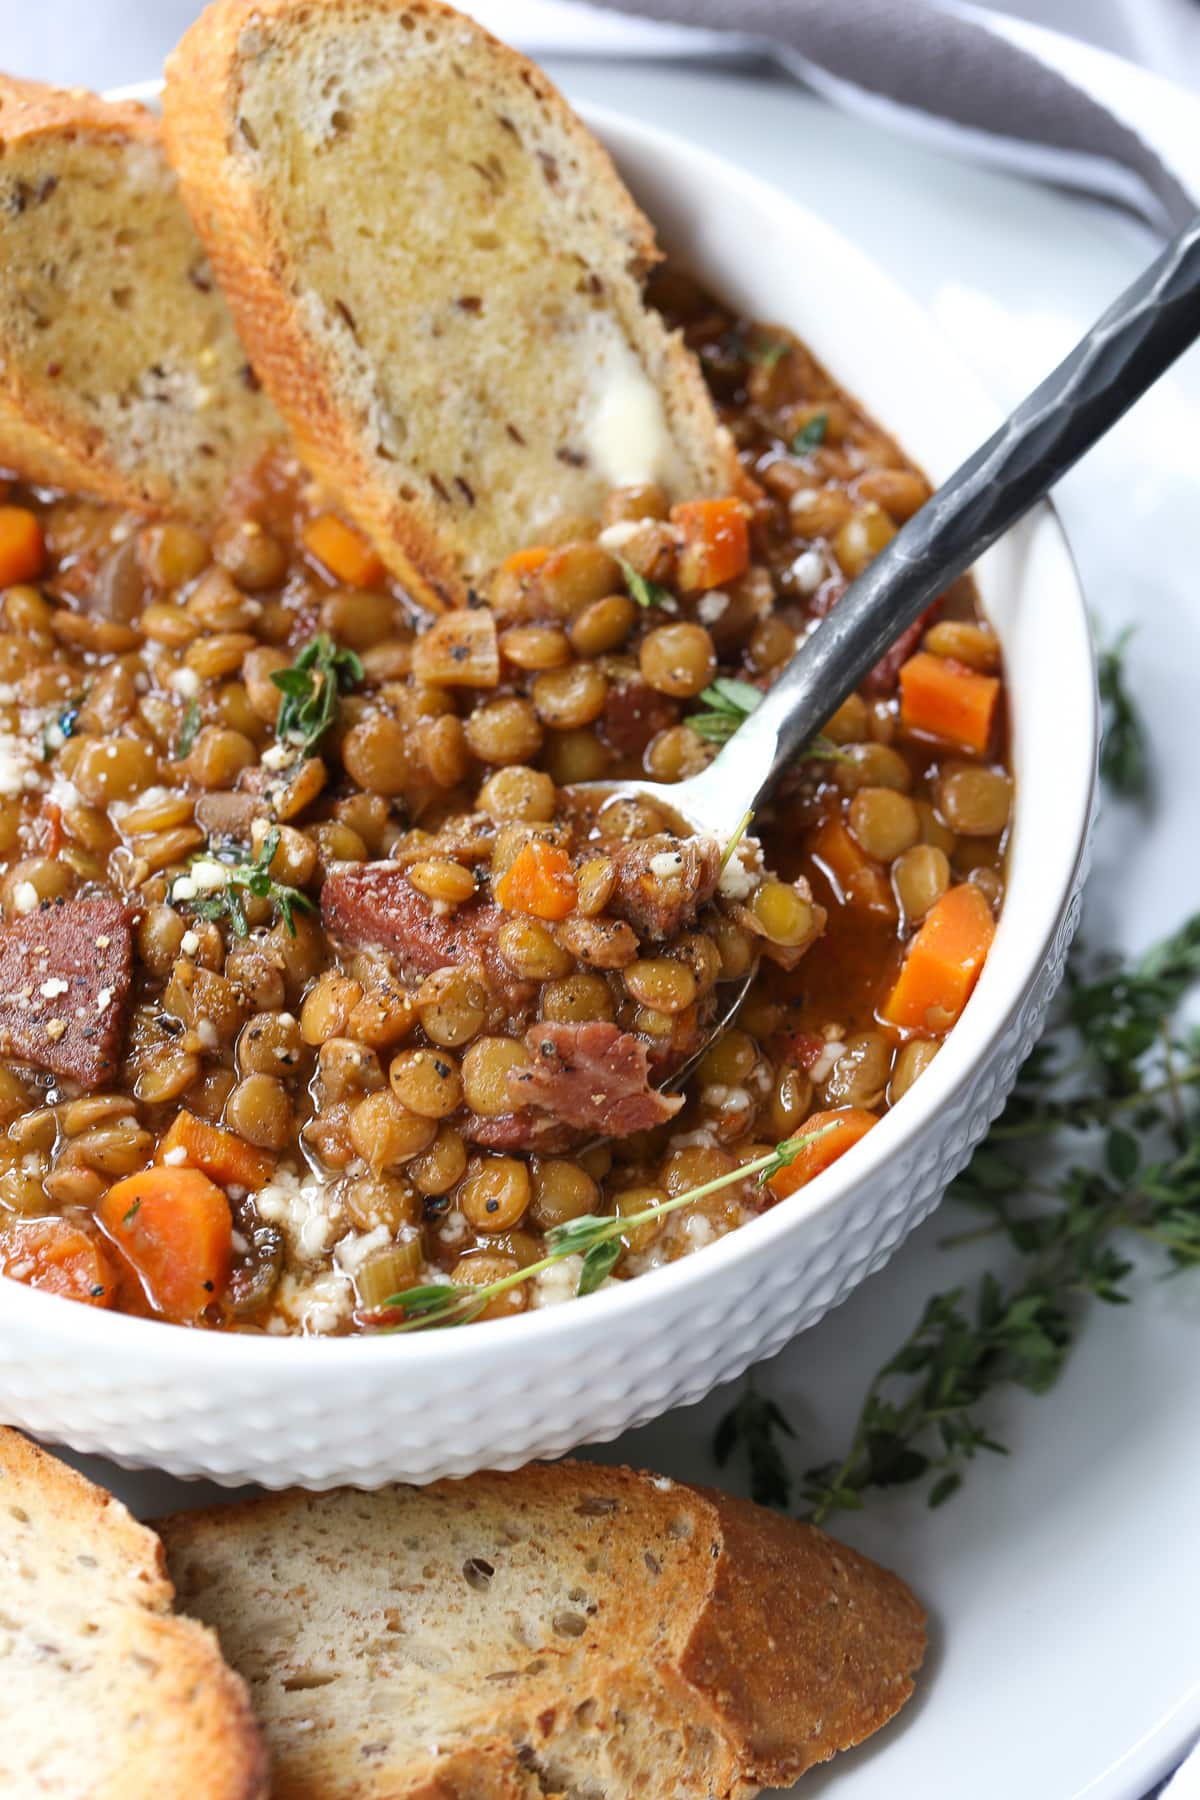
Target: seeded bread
{"type": "Point", "coordinates": [568, 1630]}
{"type": "Point", "coordinates": [105, 1694]}
{"type": "Point", "coordinates": [437, 272]}
{"type": "Point", "coordinates": [121, 375]}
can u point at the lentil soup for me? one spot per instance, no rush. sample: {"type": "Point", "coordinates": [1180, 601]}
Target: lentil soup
{"type": "Point", "coordinates": [318, 987]}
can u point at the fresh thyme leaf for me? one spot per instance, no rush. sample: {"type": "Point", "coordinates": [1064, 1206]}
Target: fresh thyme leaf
{"type": "Point", "coordinates": [131, 1215]}
{"type": "Point", "coordinates": [598, 1265]}
{"type": "Point", "coordinates": [769, 352]}
{"type": "Point", "coordinates": [577, 1236]}
{"type": "Point", "coordinates": [188, 729]}
{"type": "Point", "coordinates": [645, 592]}
{"type": "Point", "coordinates": [750, 1426]}
{"type": "Point", "coordinates": [253, 877]}
{"type": "Point", "coordinates": [725, 704]}
{"type": "Point", "coordinates": [811, 436]}
{"type": "Point", "coordinates": [311, 688]}
{"type": "Point", "coordinates": [1124, 750]}
{"type": "Point", "coordinates": [822, 749]}
{"type": "Point", "coordinates": [422, 1302]}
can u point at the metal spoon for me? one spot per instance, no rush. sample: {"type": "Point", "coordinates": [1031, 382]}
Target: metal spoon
{"type": "Point", "coordinates": [1142, 333]}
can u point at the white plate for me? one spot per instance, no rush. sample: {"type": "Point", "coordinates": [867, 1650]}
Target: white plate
{"type": "Point", "coordinates": [1063, 1583]}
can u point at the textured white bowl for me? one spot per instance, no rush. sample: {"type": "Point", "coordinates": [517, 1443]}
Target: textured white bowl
{"type": "Point", "coordinates": [368, 1410]}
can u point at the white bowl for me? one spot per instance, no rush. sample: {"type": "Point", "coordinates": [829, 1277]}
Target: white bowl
{"type": "Point", "coordinates": [368, 1410]}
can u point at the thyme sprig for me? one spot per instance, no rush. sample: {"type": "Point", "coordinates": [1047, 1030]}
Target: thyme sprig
{"type": "Point", "coordinates": [252, 877]}
{"type": "Point", "coordinates": [311, 689]}
{"type": "Point", "coordinates": [594, 1237]}
{"type": "Point", "coordinates": [751, 1425]}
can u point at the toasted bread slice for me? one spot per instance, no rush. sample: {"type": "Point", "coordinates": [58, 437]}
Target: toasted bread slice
{"type": "Point", "coordinates": [437, 271]}
{"type": "Point", "coordinates": [569, 1629]}
{"type": "Point", "coordinates": [106, 1694]}
{"type": "Point", "coordinates": [121, 374]}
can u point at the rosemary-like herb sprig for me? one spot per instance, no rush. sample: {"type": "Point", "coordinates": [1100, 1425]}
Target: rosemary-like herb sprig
{"type": "Point", "coordinates": [595, 1237]}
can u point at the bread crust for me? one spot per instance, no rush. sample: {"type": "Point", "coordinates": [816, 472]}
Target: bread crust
{"type": "Point", "coordinates": [32, 443]}
{"type": "Point", "coordinates": [40, 440]}
{"type": "Point", "coordinates": [181, 1706]}
{"type": "Point", "coordinates": [780, 1647]}
{"type": "Point", "coordinates": [261, 276]}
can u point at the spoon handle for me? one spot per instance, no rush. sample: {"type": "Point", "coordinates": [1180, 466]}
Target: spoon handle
{"type": "Point", "coordinates": [1124, 353]}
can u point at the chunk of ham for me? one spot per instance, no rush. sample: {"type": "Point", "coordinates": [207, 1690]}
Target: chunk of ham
{"type": "Point", "coordinates": [65, 974]}
{"type": "Point", "coordinates": [523, 1130]}
{"type": "Point", "coordinates": [593, 1077]}
{"type": "Point", "coordinates": [374, 906]}
{"type": "Point", "coordinates": [662, 882]}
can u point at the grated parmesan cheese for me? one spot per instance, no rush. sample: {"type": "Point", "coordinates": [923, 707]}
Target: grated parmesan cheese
{"type": "Point", "coordinates": [557, 1283]}
{"type": "Point", "coordinates": [316, 1306]}
{"type": "Point", "coordinates": [18, 772]}
{"type": "Point", "coordinates": [307, 1211]}
{"type": "Point", "coordinates": [353, 1250]}
{"type": "Point", "coordinates": [711, 606]}
{"type": "Point", "coordinates": [808, 571]}
{"type": "Point", "coordinates": [737, 881]}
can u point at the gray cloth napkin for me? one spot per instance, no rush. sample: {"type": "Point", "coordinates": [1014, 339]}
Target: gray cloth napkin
{"type": "Point", "coordinates": [910, 57]}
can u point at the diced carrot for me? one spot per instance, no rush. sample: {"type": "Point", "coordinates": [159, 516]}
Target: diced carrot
{"type": "Point", "coordinates": [173, 1227]}
{"type": "Point", "coordinates": [226, 1158]}
{"type": "Point", "coordinates": [840, 1131]}
{"type": "Point", "coordinates": [60, 1258]}
{"type": "Point", "coordinates": [943, 962]}
{"type": "Point", "coordinates": [22, 547]}
{"type": "Point", "coordinates": [523, 563]}
{"type": "Point", "coordinates": [342, 551]}
{"type": "Point", "coordinates": [946, 700]}
{"type": "Point", "coordinates": [539, 881]}
{"type": "Point", "coordinates": [716, 543]}
{"type": "Point", "coordinates": [857, 881]}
